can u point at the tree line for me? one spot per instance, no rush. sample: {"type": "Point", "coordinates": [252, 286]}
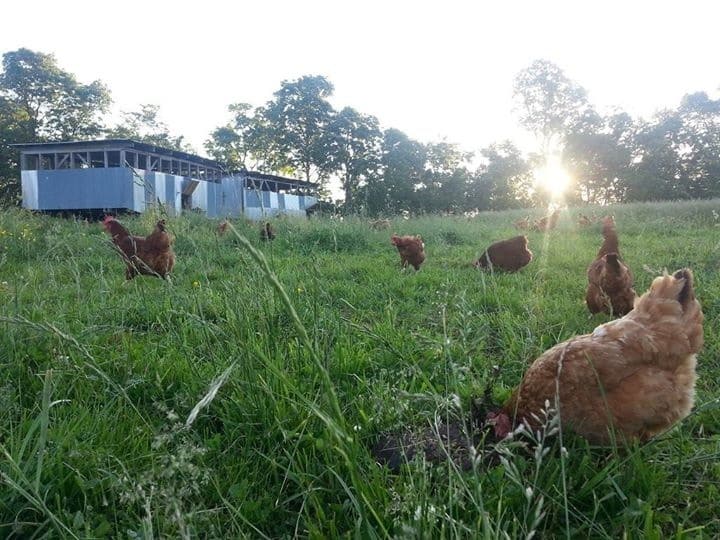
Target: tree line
{"type": "Point", "coordinates": [612, 157]}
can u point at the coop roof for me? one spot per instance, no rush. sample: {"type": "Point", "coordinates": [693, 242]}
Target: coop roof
{"type": "Point", "coordinates": [115, 144]}
{"type": "Point", "coordinates": [130, 144]}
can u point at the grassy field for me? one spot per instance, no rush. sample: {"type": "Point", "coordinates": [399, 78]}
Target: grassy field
{"type": "Point", "coordinates": [239, 400]}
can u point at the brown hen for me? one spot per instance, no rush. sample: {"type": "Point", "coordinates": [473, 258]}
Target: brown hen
{"type": "Point", "coordinates": [632, 378]}
{"type": "Point", "coordinates": [510, 255]}
{"type": "Point", "coordinates": [610, 281]}
{"type": "Point", "coordinates": [267, 232]}
{"type": "Point", "coordinates": [411, 249]}
{"type": "Point", "coordinates": [150, 255]}
{"type": "Point", "coordinates": [522, 224]}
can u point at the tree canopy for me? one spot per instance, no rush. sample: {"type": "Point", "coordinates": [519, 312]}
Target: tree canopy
{"type": "Point", "coordinates": [613, 157]}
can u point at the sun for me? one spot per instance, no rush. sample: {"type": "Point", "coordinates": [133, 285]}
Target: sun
{"type": "Point", "coordinates": [552, 177]}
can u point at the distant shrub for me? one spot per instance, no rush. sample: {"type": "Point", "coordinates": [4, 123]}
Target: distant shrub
{"type": "Point", "coordinates": [452, 238]}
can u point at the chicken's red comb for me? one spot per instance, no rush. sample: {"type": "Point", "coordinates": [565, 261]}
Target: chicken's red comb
{"type": "Point", "coordinates": [108, 219]}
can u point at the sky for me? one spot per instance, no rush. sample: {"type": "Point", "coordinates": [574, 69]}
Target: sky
{"type": "Point", "coordinates": [439, 70]}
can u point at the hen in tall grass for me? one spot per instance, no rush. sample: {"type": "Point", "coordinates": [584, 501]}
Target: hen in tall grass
{"type": "Point", "coordinates": [610, 281]}
{"type": "Point", "coordinates": [150, 255]}
{"type": "Point", "coordinates": [510, 255]}
{"type": "Point", "coordinates": [631, 379]}
{"type": "Point", "coordinates": [267, 232]}
{"type": "Point", "coordinates": [411, 249]}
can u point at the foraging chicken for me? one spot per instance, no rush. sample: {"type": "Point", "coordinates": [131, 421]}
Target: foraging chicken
{"type": "Point", "coordinates": [541, 225]}
{"type": "Point", "coordinates": [151, 255]}
{"type": "Point", "coordinates": [553, 219]}
{"type": "Point", "coordinates": [610, 281]}
{"type": "Point", "coordinates": [510, 255]}
{"type": "Point", "coordinates": [584, 221]}
{"type": "Point", "coordinates": [411, 249]}
{"type": "Point", "coordinates": [267, 232]}
{"type": "Point", "coordinates": [222, 228]}
{"type": "Point", "coordinates": [522, 224]}
{"type": "Point", "coordinates": [632, 378]}
{"type": "Point", "coordinates": [380, 224]}
{"type": "Point", "coordinates": [547, 223]}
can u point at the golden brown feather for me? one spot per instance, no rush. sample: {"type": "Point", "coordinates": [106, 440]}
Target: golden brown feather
{"type": "Point", "coordinates": [411, 249]}
{"type": "Point", "coordinates": [632, 378]}
{"type": "Point", "coordinates": [610, 281]}
{"type": "Point", "coordinates": [510, 255]}
{"type": "Point", "coordinates": [151, 255]}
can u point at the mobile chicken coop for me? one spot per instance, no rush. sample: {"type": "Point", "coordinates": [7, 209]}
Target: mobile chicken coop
{"type": "Point", "coordinates": [126, 175]}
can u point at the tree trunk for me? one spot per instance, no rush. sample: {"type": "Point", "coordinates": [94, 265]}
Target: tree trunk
{"type": "Point", "coordinates": [348, 195]}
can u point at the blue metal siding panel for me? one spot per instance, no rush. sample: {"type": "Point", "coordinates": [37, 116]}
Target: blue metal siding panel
{"type": "Point", "coordinates": [154, 189]}
{"type": "Point", "coordinates": [150, 189]}
{"type": "Point", "coordinates": [219, 209]}
{"type": "Point", "coordinates": [173, 193]}
{"type": "Point", "coordinates": [266, 199]}
{"type": "Point", "coordinates": [161, 189]}
{"type": "Point", "coordinates": [281, 201]}
{"type": "Point", "coordinates": [230, 199]}
{"type": "Point", "coordinates": [29, 181]}
{"type": "Point", "coordinates": [199, 197]}
{"type": "Point", "coordinates": [139, 195]}
{"type": "Point", "coordinates": [251, 199]}
{"type": "Point", "coordinates": [210, 206]}
{"type": "Point", "coordinates": [178, 194]}
{"type": "Point", "coordinates": [169, 193]}
{"type": "Point", "coordinates": [77, 189]}
{"type": "Point", "coordinates": [307, 202]}
{"type": "Point", "coordinates": [291, 202]}
{"type": "Point", "coordinates": [210, 190]}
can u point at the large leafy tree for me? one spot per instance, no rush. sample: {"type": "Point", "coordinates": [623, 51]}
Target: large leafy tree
{"type": "Point", "coordinates": [353, 143]}
{"type": "Point", "coordinates": [445, 178]}
{"type": "Point", "coordinates": [13, 129]}
{"type": "Point", "coordinates": [676, 153]}
{"type": "Point", "coordinates": [247, 142]}
{"type": "Point", "coordinates": [403, 166]}
{"type": "Point", "coordinates": [656, 170]}
{"type": "Point", "coordinates": [55, 105]}
{"type": "Point", "coordinates": [503, 180]}
{"type": "Point", "coordinates": [41, 102]}
{"type": "Point", "coordinates": [146, 126]}
{"type": "Point", "coordinates": [298, 117]}
{"type": "Point", "coordinates": [699, 145]}
{"type": "Point", "coordinates": [598, 156]}
{"type": "Point", "coordinates": [549, 103]}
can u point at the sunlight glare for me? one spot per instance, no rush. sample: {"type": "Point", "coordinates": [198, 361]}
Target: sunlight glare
{"type": "Point", "coordinates": [552, 177]}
